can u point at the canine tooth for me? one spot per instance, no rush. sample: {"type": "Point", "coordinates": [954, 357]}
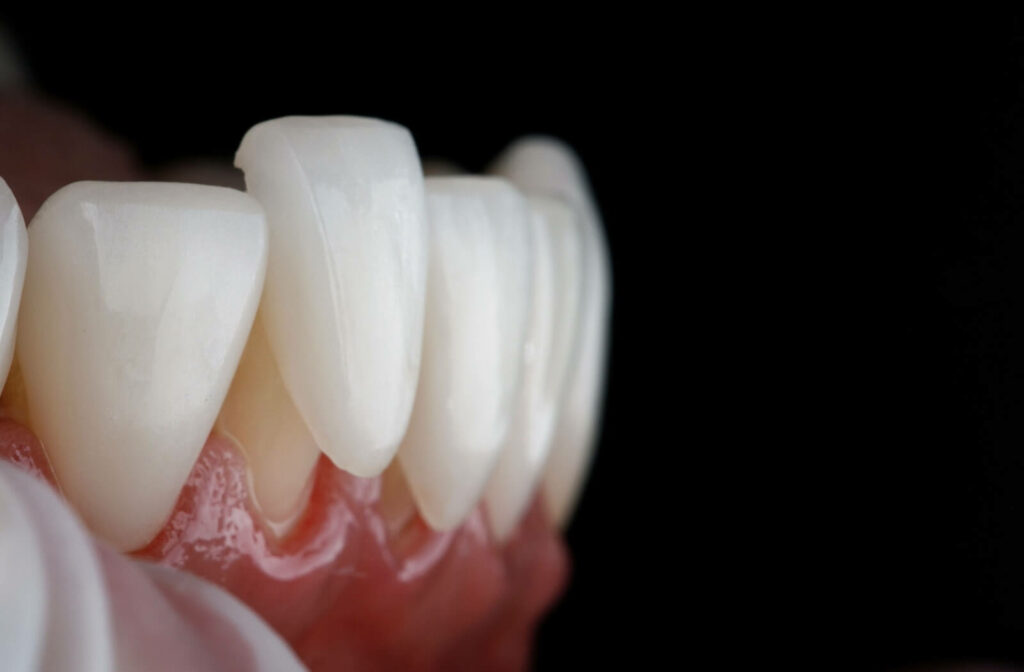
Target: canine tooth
{"type": "Point", "coordinates": [546, 356]}
{"type": "Point", "coordinates": [546, 165]}
{"type": "Point", "coordinates": [13, 259]}
{"type": "Point", "coordinates": [478, 297]}
{"type": "Point", "coordinates": [138, 301]}
{"type": "Point", "coordinates": [261, 418]}
{"type": "Point", "coordinates": [346, 279]}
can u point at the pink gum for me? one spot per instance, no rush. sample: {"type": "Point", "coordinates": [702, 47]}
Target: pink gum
{"type": "Point", "coordinates": [347, 587]}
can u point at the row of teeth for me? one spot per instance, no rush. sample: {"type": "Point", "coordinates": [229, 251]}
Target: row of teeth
{"type": "Point", "coordinates": [344, 305]}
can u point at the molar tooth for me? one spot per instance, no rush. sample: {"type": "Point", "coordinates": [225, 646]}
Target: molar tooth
{"type": "Point", "coordinates": [546, 165]}
{"type": "Point", "coordinates": [13, 259]}
{"type": "Point", "coordinates": [478, 297]}
{"type": "Point", "coordinates": [346, 280]}
{"type": "Point", "coordinates": [260, 417]}
{"type": "Point", "coordinates": [138, 301]}
{"type": "Point", "coordinates": [557, 280]}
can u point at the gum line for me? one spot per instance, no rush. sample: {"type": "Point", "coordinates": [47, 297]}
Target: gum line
{"type": "Point", "coordinates": [360, 582]}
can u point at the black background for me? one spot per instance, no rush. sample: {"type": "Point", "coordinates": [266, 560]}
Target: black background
{"type": "Point", "coordinates": [909, 523]}
{"type": "Point", "coordinates": [178, 87]}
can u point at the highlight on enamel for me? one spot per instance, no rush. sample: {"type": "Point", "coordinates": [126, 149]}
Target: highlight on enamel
{"type": "Point", "coordinates": [137, 303]}
{"type": "Point", "coordinates": [343, 305]}
{"type": "Point", "coordinates": [548, 166]}
{"type": "Point", "coordinates": [478, 302]}
{"type": "Point", "coordinates": [346, 278]}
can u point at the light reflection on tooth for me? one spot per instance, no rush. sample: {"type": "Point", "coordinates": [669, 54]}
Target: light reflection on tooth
{"type": "Point", "coordinates": [478, 299]}
{"type": "Point", "coordinates": [138, 301]}
{"type": "Point", "coordinates": [259, 416]}
{"type": "Point", "coordinates": [343, 305]}
{"type": "Point", "coordinates": [548, 349]}
{"type": "Point", "coordinates": [13, 260]}
{"type": "Point", "coordinates": [546, 165]}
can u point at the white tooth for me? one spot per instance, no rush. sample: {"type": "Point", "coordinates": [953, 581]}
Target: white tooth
{"type": "Point", "coordinates": [269, 652]}
{"type": "Point", "coordinates": [138, 301]}
{"type": "Point", "coordinates": [13, 259]}
{"type": "Point", "coordinates": [346, 280]}
{"type": "Point", "coordinates": [23, 590]}
{"type": "Point", "coordinates": [76, 629]}
{"type": "Point", "coordinates": [546, 165]}
{"type": "Point", "coordinates": [478, 298]}
{"type": "Point", "coordinates": [261, 418]}
{"type": "Point", "coordinates": [557, 279]}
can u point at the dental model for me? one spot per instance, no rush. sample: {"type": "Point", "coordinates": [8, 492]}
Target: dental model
{"type": "Point", "coordinates": [138, 301]}
{"type": "Point", "coordinates": [350, 397]}
{"type": "Point", "coordinates": [13, 260]}
{"type": "Point", "coordinates": [479, 295]}
{"type": "Point", "coordinates": [547, 166]}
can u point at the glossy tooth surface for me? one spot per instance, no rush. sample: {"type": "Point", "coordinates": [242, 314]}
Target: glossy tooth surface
{"type": "Point", "coordinates": [478, 299]}
{"type": "Point", "coordinates": [346, 279]}
{"type": "Point", "coordinates": [23, 590]}
{"type": "Point", "coordinates": [66, 621]}
{"type": "Point", "coordinates": [138, 301]}
{"type": "Point", "coordinates": [545, 165]}
{"type": "Point", "coordinates": [260, 417]}
{"type": "Point", "coordinates": [13, 260]}
{"type": "Point", "coordinates": [72, 605]}
{"type": "Point", "coordinates": [557, 279]}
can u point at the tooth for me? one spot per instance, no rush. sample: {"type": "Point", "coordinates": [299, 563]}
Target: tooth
{"type": "Point", "coordinates": [13, 259]}
{"type": "Point", "coordinates": [260, 417]}
{"type": "Point", "coordinates": [138, 301]}
{"type": "Point", "coordinates": [545, 165]}
{"type": "Point", "coordinates": [346, 279]}
{"type": "Point", "coordinates": [268, 652]}
{"type": "Point", "coordinates": [478, 296]}
{"type": "Point", "coordinates": [23, 590]}
{"type": "Point", "coordinates": [557, 279]}
{"type": "Point", "coordinates": [76, 632]}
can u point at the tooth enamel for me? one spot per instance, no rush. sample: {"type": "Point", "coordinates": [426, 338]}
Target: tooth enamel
{"type": "Point", "coordinates": [13, 259]}
{"type": "Point", "coordinates": [23, 590]}
{"type": "Point", "coordinates": [269, 652]}
{"type": "Point", "coordinates": [545, 165]}
{"type": "Point", "coordinates": [260, 417]}
{"type": "Point", "coordinates": [548, 347]}
{"type": "Point", "coordinates": [478, 296]}
{"type": "Point", "coordinates": [346, 279]}
{"type": "Point", "coordinates": [76, 632]}
{"type": "Point", "coordinates": [138, 301]}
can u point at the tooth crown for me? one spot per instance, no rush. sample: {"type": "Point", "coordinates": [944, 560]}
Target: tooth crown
{"type": "Point", "coordinates": [548, 166]}
{"type": "Point", "coordinates": [478, 299]}
{"type": "Point", "coordinates": [138, 301]}
{"type": "Point", "coordinates": [23, 589]}
{"type": "Point", "coordinates": [547, 354]}
{"type": "Point", "coordinates": [346, 280]}
{"type": "Point", "coordinates": [69, 590]}
{"type": "Point", "coordinates": [13, 260]}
